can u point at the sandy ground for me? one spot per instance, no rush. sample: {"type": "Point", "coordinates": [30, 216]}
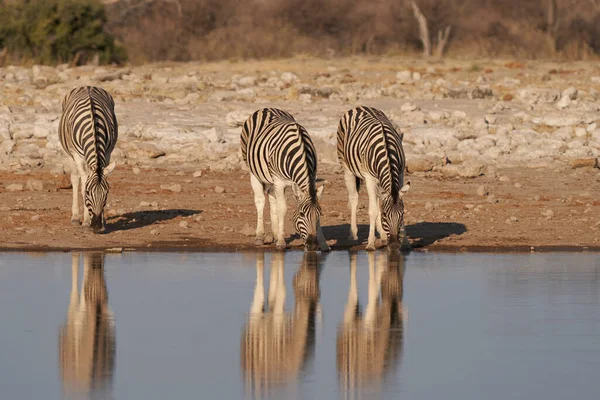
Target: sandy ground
{"type": "Point", "coordinates": [524, 208]}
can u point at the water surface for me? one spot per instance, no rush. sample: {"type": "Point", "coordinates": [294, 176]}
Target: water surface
{"type": "Point", "coordinates": [420, 326]}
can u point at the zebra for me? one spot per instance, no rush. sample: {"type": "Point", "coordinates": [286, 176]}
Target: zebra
{"type": "Point", "coordinates": [370, 149]}
{"type": "Point", "coordinates": [88, 133]}
{"type": "Point", "coordinates": [86, 342]}
{"type": "Point", "coordinates": [369, 343]}
{"type": "Point", "coordinates": [276, 345]}
{"type": "Point", "coordinates": [279, 153]}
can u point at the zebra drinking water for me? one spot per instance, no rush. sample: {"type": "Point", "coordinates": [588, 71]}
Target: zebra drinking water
{"type": "Point", "coordinates": [88, 133]}
{"type": "Point", "coordinates": [370, 149]}
{"type": "Point", "coordinates": [279, 153]}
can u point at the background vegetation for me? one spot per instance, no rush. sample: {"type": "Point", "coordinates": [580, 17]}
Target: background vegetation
{"type": "Point", "coordinates": [154, 30]}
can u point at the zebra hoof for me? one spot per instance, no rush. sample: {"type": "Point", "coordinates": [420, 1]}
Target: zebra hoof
{"type": "Point", "coordinates": [353, 237]}
{"type": "Point", "coordinates": [259, 242]}
{"type": "Point", "coordinates": [269, 239]}
{"type": "Point", "coordinates": [370, 247]}
{"type": "Point", "coordinates": [280, 246]}
{"type": "Point", "coordinates": [85, 224]}
{"type": "Point", "coordinates": [75, 222]}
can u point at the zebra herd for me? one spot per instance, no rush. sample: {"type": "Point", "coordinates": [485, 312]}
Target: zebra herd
{"type": "Point", "coordinates": [278, 152]}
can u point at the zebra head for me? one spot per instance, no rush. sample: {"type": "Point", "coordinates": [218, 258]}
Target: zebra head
{"type": "Point", "coordinates": [306, 216]}
{"type": "Point", "coordinates": [392, 215]}
{"type": "Point", "coordinates": [96, 193]}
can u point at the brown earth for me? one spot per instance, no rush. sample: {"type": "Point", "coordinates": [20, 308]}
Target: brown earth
{"type": "Point", "coordinates": [442, 214]}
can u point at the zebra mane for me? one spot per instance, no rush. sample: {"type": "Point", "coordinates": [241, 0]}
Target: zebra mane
{"type": "Point", "coordinates": [312, 168]}
{"type": "Point", "coordinates": [94, 128]}
{"type": "Point", "coordinates": [393, 161]}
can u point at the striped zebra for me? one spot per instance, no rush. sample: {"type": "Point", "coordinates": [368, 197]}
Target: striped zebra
{"type": "Point", "coordinates": [276, 345]}
{"type": "Point", "coordinates": [88, 133]}
{"type": "Point", "coordinates": [279, 153]}
{"type": "Point", "coordinates": [370, 149]}
{"type": "Point", "coordinates": [369, 342]}
{"type": "Point", "coordinates": [86, 342]}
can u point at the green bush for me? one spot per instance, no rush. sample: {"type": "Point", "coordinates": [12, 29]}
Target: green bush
{"type": "Point", "coordinates": [57, 31]}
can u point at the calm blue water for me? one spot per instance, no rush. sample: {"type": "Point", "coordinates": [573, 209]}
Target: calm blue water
{"type": "Point", "coordinates": [180, 326]}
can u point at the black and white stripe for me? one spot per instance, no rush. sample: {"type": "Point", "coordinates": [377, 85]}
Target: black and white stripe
{"type": "Point", "coordinates": [279, 153]}
{"type": "Point", "coordinates": [370, 149]}
{"type": "Point", "coordinates": [88, 133]}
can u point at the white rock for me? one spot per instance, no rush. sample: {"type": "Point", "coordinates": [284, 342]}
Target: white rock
{"type": "Point", "coordinates": [246, 94]}
{"type": "Point", "coordinates": [237, 118]}
{"type": "Point", "coordinates": [459, 114]}
{"type": "Point", "coordinates": [580, 132]}
{"type": "Point", "coordinates": [197, 174]}
{"type": "Point", "coordinates": [403, 76]}
{"type": "Point", "coordinates": [416, 76]}
{"type": "Point", "coordinates": [184, 224]}
{"type": "Point", "coordinates": [482, 190]}
{"type": "Point", "coordinates": [135, 170]}
{"type": "Point", "coordinates": [407, 107]}
{"type": "Point", "coordinates": [35, 185]}
{"type": "Point", "coordinates": [561, 120]}
{"type": "Point", "coordinates": [289, 78]}
{"type": "Point", "coordinates": [564, 102]}
{"type": "Point", "coordinates": [247, 81]}
{"type": "Point", "coordinates": [219, 189]}
{"type": "Point", "coordinates": [305, 98]}
{"type": "Point", "coordinates": [570, 92]}
{"type": "Point", "coordinates": [15, 187]}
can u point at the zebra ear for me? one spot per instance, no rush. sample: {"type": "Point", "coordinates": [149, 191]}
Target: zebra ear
{"type": "Point", "coordinates": [401, 137]}
{"type": "Point", "coordinates": [297, 191]}
{"type": "Point", "coordinates": [320, 190]}
{"type": "Point", "coordinates": [404, 189]}
{"type": "Point", "coordinates": [109, 168]}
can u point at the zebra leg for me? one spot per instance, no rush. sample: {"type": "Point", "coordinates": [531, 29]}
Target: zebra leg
{"type": "Point", "coordinates": [258, 301]}
{"type": "Point", "coordinates": [259, 201]}
{"type": "Point", "coordinates": [75, 205]}
{"type": "Point", "coordinates": [371, 184]}
{"type": "Point", "coordinates": [321, 238]}
{"type": "Point", "coordinates": [273, 211]}
{"type": "Point", "coordinates": [350, 180]}
{"type": "Point", "coordinates": [281, 211]}
{"type": "Point", "coordinates": [382, 234]}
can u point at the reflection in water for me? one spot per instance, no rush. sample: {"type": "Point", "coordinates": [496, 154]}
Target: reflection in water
{"type": "Point", "coordinates": [276, 345]}
{"type": "Point", "coordinates": [369, 344]}
{"type": "Point", "coordinates": [87, 339]}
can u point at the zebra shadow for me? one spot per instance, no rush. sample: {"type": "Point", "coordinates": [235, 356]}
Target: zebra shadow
{"type": "Point", "coordinates": [140, 219]}
{"type": "Point", "coordinates": [421, 234]}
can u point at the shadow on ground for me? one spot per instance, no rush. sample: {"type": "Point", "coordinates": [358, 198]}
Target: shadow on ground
{"type": "Point", "coordinates": [139, 219]}
{"type": "Point", "coordinates": [421, 234]}
{"type": "Point", "coordinates": [427, 233]}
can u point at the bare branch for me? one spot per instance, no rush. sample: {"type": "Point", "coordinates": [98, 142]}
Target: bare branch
{"type": "Point", "coordinates": [144, 3]}
{"type": "Point", "coordinates": [442, 41]}
{"type": "Point", "coordinates": [423, 29]}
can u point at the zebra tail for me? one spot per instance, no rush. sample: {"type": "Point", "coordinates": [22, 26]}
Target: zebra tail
{"type": "Point", "coordinates": [358, 180]}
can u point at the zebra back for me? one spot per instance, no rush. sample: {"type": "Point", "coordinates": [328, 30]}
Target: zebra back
{"type": "Point", "coordinates": [88, 126]}
{"type": "Point", "coordinates": [274, 145]}
{"type": "Point", "coordinates": [367, 142]}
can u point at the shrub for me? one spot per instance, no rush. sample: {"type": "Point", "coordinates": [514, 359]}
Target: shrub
{"type": "Point", "coordinates": [57, 31]}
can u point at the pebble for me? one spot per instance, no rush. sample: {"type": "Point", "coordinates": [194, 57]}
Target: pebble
{"type": "Point", "coordinates": [469, 206]}
{"type": "Point", "coordinates": [429, 206]}
{"type": "Point", "coordinates": [482, 191]}
{"type": "Point", "coordinates": [35, 217]}
{"type": "Point", "coordinates": [197, 174]}
{"type": "Point", "coordinates": [135, 170]}
{"type": "Point", "coordinates": [175, 188]}
{"type": "Point", "coordinates": [219, 189]}
{"type": "Point", "coordinates": [518, 185]}
{"type": "Point", "coordinates": [247, 230]}
{"type": "Point", "coordinates": [154, 232]}
{"type": "Point", "coordinates": [35, 185]}
{"type": "Point", "coordinates": [548, 214]}
{"type": "Point", "coordinates": [407, 107]}
{"type": "Point", "coordinates": [144, 204]}
{"type": "Point", "coordinates": [184, 224]}
{"type": "Point", "coordinates": [504, 178]}
{"type": "Point", "coordinates": [15, 187]}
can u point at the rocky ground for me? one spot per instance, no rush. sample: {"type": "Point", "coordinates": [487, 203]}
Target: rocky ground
{"type": "Point", "coordinates": [501, 154]}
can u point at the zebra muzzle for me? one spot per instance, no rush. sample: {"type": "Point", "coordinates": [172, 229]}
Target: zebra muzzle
{"type": "Point", "coordinates": [97, 223]}
{"type": "Point", "coordinates": [311, 243]}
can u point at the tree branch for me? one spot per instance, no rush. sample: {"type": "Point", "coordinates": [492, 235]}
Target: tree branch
{"type": "Point", "coordinates": [423, 29]}
{"type": "Point", "coordinates": [442, 41]}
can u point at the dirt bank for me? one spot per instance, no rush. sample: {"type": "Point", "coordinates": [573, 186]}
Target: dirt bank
{"type": "Point", "coordinates": [521, 208]}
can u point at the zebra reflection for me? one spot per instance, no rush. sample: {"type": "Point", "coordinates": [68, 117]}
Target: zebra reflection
{"type": "Point", "coordinates": [369, 343]}
{"type": "Point", "coordinates": [276, 345]}
{"type": "Point", "coordinates": [87, 339]}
